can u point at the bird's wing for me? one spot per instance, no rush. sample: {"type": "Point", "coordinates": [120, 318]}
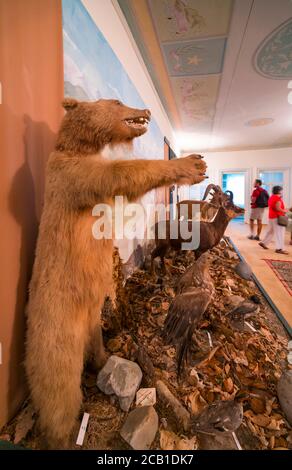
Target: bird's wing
{"type": "Point", "coordinates": [185, 311]}
{"type": "Point", "coordinates": [184, 314]}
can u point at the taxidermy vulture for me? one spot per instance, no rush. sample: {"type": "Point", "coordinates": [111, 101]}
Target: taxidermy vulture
{"type": "Point", "coordinates": [196, 275]}
{"type": "Point", "coordinates": [188, 307]}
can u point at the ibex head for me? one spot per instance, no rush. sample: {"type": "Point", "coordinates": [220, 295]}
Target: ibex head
{"type": "Point", "coordinates": [231, 209]}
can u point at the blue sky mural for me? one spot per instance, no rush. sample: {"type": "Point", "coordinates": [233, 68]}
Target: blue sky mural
{"type": "Point", "coordinates": [93, 71]}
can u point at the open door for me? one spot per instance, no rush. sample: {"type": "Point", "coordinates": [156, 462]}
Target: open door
{"type": "Point", "coordinates": [237, 182]}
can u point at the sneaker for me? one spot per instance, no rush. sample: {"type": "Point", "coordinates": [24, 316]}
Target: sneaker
{"type": "Point", "coordinates": [282, 252]}
{"type": "Point", "coordinates": [251, 237]}
{"type": "Point", "coordinates": [263, 246]}
{"type": "Point", "coordinates": [257, 238]}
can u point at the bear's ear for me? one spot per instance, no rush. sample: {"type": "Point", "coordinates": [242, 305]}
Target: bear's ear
{"type": "Point", "coordinates": [69, 103]}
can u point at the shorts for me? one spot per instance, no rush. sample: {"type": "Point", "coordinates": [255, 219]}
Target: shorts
{"type": "Point", "coordinates": [257, 213]}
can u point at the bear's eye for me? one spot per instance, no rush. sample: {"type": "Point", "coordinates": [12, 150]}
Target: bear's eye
{"type": "Point", "coordinates": [118, 102]}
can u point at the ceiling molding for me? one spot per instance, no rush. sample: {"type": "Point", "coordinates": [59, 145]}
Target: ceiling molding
{"type": "Point", "coordinates": [140, 24]}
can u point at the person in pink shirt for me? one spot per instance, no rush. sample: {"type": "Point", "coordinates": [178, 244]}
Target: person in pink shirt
{"type": "Point", "coordinates": [276, 208]}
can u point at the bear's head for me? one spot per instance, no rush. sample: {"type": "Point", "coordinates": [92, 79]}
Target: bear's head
{"type": "Point", "coordinates": [88, 126]}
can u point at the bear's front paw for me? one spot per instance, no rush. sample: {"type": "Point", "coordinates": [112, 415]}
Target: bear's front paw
{"type": "Point", "coordinates": [193, 169]}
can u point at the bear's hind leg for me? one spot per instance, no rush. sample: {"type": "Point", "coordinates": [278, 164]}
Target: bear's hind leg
{"type": "Point", "coordinates": [54, 373]}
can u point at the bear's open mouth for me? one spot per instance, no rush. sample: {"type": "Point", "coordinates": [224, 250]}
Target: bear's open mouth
{"type": "Point", "coordinates": [137, 123]}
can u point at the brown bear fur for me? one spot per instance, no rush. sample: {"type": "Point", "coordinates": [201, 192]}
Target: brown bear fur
{"type": "Point", "coordinates": [73, 271]}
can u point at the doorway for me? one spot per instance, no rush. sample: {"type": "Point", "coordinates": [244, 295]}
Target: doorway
{"type": "Point", "coordinates": [275, 177]}
{"type": "Point", "coordinates": [235, 181]}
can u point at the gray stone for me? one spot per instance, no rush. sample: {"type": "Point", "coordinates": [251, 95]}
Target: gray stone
{"type": "Point", "coordinates": [243, 270]}
{"type": "Point", "coordinates": [122, 378]}
{"type": "Point", "coordinates": [140, 427]}
{"type": "Point", "coordinates": [284, 390]}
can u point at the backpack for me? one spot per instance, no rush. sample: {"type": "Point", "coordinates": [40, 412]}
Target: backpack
{"type": "Point", "coordinates": [262, 199]}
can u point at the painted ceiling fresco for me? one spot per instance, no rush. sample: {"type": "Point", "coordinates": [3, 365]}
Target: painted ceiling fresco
{"type": "Point", "coordinates": [196, 98]}
{"type": "Point", "coordinates": [192, 35]}
{"type": "Point", "coordinates": [273, 58]}
{"type": "Point", "coordinates": [199, 57]}
{"type": "Point", "coordinates": [190, 19]}
{"type": "Point", "coordinates": [218, 64]}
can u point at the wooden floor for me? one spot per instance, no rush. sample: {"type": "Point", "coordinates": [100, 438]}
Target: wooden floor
{"type": "Point", "coordinates": [254, 256]}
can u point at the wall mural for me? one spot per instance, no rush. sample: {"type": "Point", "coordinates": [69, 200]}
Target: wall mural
{"type": "Point", "coordinates": [273, 58]}
{"type": "Point", "coordinates": [93, 71]}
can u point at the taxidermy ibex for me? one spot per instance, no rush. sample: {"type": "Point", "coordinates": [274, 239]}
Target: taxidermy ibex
{"type": "Point", "coordinates": [210, 232]}
{"type": "Point", "coordinates": [208, 208]}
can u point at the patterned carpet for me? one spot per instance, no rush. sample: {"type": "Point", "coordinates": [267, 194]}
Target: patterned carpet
{"type": "Point", "coordinates": [283, 270]}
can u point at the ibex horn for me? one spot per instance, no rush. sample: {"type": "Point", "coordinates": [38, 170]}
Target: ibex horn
{"type": "Point", "coordinates": [230, 195]}
{"type": "Point", "coordinates": [208, 189]}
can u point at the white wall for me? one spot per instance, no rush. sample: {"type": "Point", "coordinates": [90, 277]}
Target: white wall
{"type": "Point", "coordinates": [109, 19]}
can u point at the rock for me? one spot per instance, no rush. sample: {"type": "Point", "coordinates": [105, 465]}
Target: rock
{"type": "Point", "coordinates": [243, 270]}
{"type": "Point", "coordinates": [140, 427]}
{"type": "Point", "coordinates": [284, 390]}
{"type": "Point", "coordinates": [146, 397]}
{"type": "Point", "coordinates": [122, 378]}
{"type": "Point", "coordinates": [181, 415]}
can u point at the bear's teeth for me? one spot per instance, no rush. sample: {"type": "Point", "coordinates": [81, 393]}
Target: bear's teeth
{"type": "Point", "coordinates": [137, 123]}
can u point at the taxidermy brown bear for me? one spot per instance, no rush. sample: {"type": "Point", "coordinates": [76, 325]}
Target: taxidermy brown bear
{"type": "Point", "coordinates": [72, 272]}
